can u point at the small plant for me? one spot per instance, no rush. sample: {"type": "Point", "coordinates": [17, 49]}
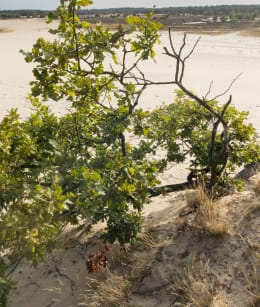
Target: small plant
{"type": "Point", "coordinates": [96, 261]}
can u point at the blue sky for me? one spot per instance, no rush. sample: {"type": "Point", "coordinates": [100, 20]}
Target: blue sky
{"type": "Point", "coordinates": [52, 4]}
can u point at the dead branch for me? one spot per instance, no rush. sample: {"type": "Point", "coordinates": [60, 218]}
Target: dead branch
{"type": "Point", "coordinates": [218, 152]}
{"type": "Point", "coordinates": [209, 90]}
{"type": "Point", "coordinates": [227, 89]}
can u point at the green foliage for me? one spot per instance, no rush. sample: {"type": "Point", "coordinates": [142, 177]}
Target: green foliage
{"type": "Point", "coordinates": [5, 288]}
{"type": "Point", "coordinates": [184, 129]}
{"type": "Point", "coordinates": [78, 167]}
{"type": "Point", "coordinates": [29, 195]}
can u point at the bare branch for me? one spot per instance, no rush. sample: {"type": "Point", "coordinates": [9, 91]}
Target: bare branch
{"type": "Point", "coordinates": [171, 42]}
{"type": "Point", "coordinates": [137, 99]}
{"type": "Point", "coordinates": [226, 105]}
{"type": "Point", "coordinates": [228, 88]}
{"type": "Point", "coordinates": [123, 143]}
{"type": "Point", "coordinates": [209, 90]}
{"type": "Point", "coordinates": [167, 52]}
{"type": "Point", "coordinates": [187, 57]}
{"type": "Point", "coordinates": [133, 66]}
{"type": "Point", "coordinates": [183, 45]}
{"type": "Point", "coordinates": [192, 49]}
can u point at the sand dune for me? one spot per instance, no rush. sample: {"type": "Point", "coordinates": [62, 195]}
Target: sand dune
{"type": "Point", "coordinates": [219, 58]}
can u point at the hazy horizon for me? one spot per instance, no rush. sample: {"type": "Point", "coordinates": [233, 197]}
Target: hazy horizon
{"type": "Point", "coordinates": [98, 4]}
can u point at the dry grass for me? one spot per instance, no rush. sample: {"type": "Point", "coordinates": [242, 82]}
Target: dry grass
{"type": "Point", "coordinates": [197, 288]}
{"type": "Point", "coordinates": [147, 240]}
{"type": "Point", "coordinates": [254, 279]}
{"type": "Point", "coordinates": [118, 255]}
{"type": "Point", "coordinates": [256, 183]}
{"type": "Point", "coordinates": [207, 216]}
{"type": "Point", "coordinates": [143, 250]}
{"type": "Point", "coordinates": [107, 289]}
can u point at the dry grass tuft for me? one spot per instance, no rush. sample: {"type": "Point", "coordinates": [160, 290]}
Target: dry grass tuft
{"type": "Point", "coordinates": [254, 279]}
{"type": "Point", "coordinates": [107, 289]}
{"type": "Point", "coordinates": [207, 216]}
{"type": "Point", "coordinates": [256, 182]}
{"type": "Point", "coordinates": [118, 255]}
{"type": "Point", "coordinates": [197, 289]}
{"type": "Point", "coordinates": [147, 240]}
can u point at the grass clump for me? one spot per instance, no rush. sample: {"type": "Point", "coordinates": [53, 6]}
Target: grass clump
{"type": "Point", "coordinates": [257, 184]}
{"type": "Point", "coordinates": [254, 279]}
{"type": "Point", "coordinates": [207, 217]}
{"type": "Point", "coordinates": [107, 289]}
{"type": "Point", "coordinates": [197, 288]}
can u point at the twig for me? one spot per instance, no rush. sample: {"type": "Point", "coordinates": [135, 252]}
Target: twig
{"type": "Point", "coordinates": [228, 88]}
{"type": "Point", "coordinates": [209, 90]}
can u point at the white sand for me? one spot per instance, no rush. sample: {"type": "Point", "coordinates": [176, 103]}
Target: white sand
{"type": "Point", "coordinates": [15, 72]}
{"type": "Point", "coordinates": [219, 58]}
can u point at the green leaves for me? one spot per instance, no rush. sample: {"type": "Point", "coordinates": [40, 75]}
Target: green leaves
{"type": "Point", "coordinates": [147, 35]}
{"type": "Point", "coordinates": [184, 129]}
{"type": "Point", "coordinates": [5, 288]}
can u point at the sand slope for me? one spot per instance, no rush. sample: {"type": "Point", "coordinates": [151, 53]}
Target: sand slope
{"type": "Point", "coordinates": [174, 262]}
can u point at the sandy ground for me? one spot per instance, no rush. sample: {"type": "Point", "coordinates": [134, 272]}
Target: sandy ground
{"type": "Point", "coordinates": [217, 58]}
{"type": "Point", "coordinates": [61, 280]}
{"type": "Point", "coordinates": [174, 262]}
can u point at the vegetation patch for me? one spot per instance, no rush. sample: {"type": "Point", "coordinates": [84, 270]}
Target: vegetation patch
{"type": "Point", "coordinates": [207, 216]}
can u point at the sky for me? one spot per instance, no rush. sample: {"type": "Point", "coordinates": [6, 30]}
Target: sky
{"type": "Point", "coordinates": [52, 4]}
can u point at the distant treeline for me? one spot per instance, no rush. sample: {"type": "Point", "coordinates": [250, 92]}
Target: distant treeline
{"type": "Point", "coordinates": [6, 14]}
{"type": "Point", "coordinates": [219, 10]}
{"type": "Point", "coordinates": [233, 11]}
